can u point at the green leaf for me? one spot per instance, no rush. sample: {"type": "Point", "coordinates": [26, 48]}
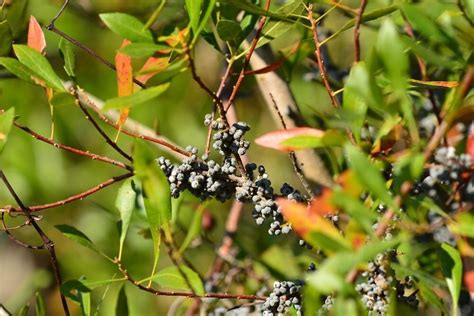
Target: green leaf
{"type": "Point", "coordinates": [137, 98]}
{"type": "Point", "coordinates": [94, 284]}
{"type": "Point", "coordinates": [127, 26]}
{"type": "Point", "coordinates": [16, 16]}
{"type": "Point", "coordinates": [78, 292]}
{"type": "Point", "coordinates": [331, 138]}
{"type": "Point", "coordinates": [275, 29]}
{"type": "Point", "coordinates": [360, 213]}
{"type": "Point", "coordinates": [40, 305]}
{"type": "Point", "coordinates": [451, 265]}
{"type": "Point", "coordinates": [194, 228]}
{"type": "Point", "coordinates": [137, 50]}
{"type": "Point", "coordinates": [157, 195]}
{"type": "Point", "coordinates": [6, 122]}
{"type": "Point", "coordinates": [17, 68]}
{"type": "Point", "coordinates": [39, 65]}
{"type": "Point", "coordinates": [121, 309]}
{"type": "Point", "coordinates": [368, 175]}
{"type": "Point", "coordinates": [125, 203]}
{"type": "Point", "coordinates": [357, 96]}
{"type": "Point", "coordinates": [204, 20]}
{"type": "Point", "coordinates": [67, 53]}
{"type": "Point", "coordinates": [463, 224]}
{"type": "Point", "coordinates": [369, 16]}
{"type": "Point", "coordinates": [229, 31]}
{"type": "Point", "coordinates": [61, 99]}
{"type": "Point", "coordinates": [254, 9]}
{"type": "Point", "coordinates": [24, 310]}
{"type": "Point", "coordinates": [194, 9]}
{"type": "Point", "coordinates": [392, 51]}
{"type": "Point", "coordinates": [5, 38]}
{"type": "Point", "coordinates": [171, 278]}
{"type": "Point", "coordinates": [330, 275]}
{"type": "Point", "coordinates": [424, 277]}
{"type": "Point", "coordinates": [77, 236]}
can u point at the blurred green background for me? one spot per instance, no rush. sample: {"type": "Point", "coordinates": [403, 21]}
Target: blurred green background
{"type": "Point", "coordinates": [41, 173]}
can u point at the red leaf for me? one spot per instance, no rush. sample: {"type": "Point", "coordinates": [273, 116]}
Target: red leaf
{"type": "Point", "coordinates": [275, 138]}
{"type": "Point", "coordinates": [269, 68]}
{"type": "Point", "coordinates": [152, 67]}
{"type": "Point", "coordinates": [470, 145]}
{"type": "Point", "coordinates": [123, 63]}
{"type": "Point", "coordinates": [36, 36]}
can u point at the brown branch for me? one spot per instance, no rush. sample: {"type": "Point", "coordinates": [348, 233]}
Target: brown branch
{"type": "Point", "coordinates": [72, 149]}
{"type": "Point", "coordinates": [317, 52]}
{"type": "Point", "coordinates": [360, 12]}
{"type": "Point", "coordinates": [48, 243]}
{"type": "Point", "coordinates": [108, 140]}
{"type": "Point", "coordinates": [85, 99]}
{"type": "Point", "coordinates": [72, 198]}
{"type": "Point", "coordinates": [185, 294]}
{"type": "Point", "coordinates": [13, 238]}
{"type": "Point", "coordinates": [199, 81]}
{"type": "Point", "coordinates": [222, 84]}
{"type": "Point", "coordinates": [249, 54]}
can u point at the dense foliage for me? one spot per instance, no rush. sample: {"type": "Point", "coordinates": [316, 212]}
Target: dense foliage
{"type": "Point", "coordinates": [322, 161]}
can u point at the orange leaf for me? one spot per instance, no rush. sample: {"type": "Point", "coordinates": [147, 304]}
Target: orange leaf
{"type": "Point", "coordinates": [470, 145]}
{"type": "Point", "coordinates": [304, 221]}
{"type": "Point", "coordinates": [322, 204]}
{"type": "Point", "coordinates": [275, 138]}
{"type": "Point", "coordinates": [469, 279]}
{"type": "Point", "coordinates": [123, 63]}
{"type": "Point", "coordinates": [152, 67]}
{"type": "Point", "coordinates": [36, 36]}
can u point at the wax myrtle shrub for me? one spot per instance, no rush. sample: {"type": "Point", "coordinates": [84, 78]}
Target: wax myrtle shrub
{"type": "Point", "coordinates": [326, 169]}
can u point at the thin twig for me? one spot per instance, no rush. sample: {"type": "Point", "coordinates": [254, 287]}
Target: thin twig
{"type": "Point", "coordinates": [72, 198]}
{"type": "Point", "coordinates": [222, 85]}
{"type": "Point", "coordinates": [253, 45]}
{"type": "Point", "coordinates": [52, 27]}
{"type": "Point", "coordinates": [292, 155]}
{"type": "Point", "coordinates": [48, 243]}
{"type": "Point", "coordinates": [13, 238]}
{"type": "Point", "coordinates": [185, 294]}
{"type": "Point", "coordinates": [72, 149]}
{"type": "Point", "coordinates": [317, 52]}
{"type": "Point", "coordinates": [360, 12]}
{"type": "Point", "coordinates": [108, 140]}
{"type": "Point", "coordinates": [155, 139]}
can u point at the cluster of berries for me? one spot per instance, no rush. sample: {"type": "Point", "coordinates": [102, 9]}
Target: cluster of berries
{"type": "Point", "coordinates": [207, 178]}
{"type": "Point", "coordinates": [284, 295]}
{"type": "Point", "coordinates": [228, 140]}
{"type": "Point", "coordinates": [375, 290]}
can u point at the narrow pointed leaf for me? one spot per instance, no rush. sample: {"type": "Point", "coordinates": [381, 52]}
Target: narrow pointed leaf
{"type": "Point", "coordinates": [137, 98]}
{"type": "Point", "coordinates": [39, 65]}
{"type": "Point", "coordinates": [77, 236]}
{"type": "Point", "coordinates": [127, 26]}
{"type": "Point", "coordinates": [121, 309]}
{"type": "Point", "coordinates": [125, 203]}
{"type": "Point", "coordinates": [67, 53]}
{"type": "Point", "coordinates": [451, 265]}
{"type": "Point", "coordinates": [18, 69]}
{"type": "Point", "coordinates": [276, 139]}
{"type": "Point", "coordinates": [172, 278]}
{"type": "Point", "coordinates": [5, 38]}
